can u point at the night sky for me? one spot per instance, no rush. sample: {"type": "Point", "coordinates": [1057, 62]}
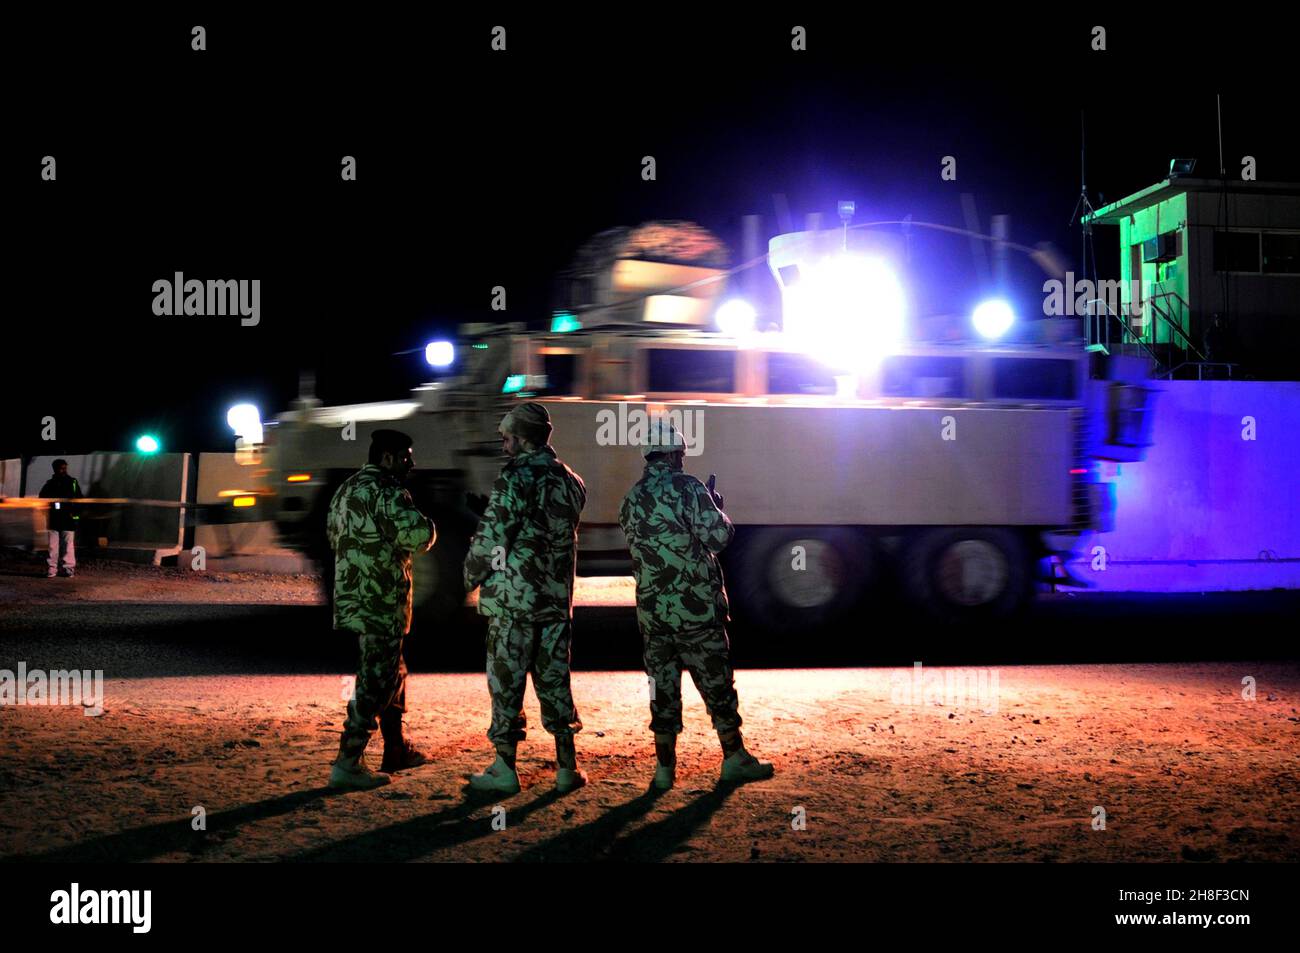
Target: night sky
{"type": "Point", "coordinates": [478, 168]}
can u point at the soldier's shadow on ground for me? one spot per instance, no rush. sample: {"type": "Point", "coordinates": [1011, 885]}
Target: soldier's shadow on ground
{"type": "Point", "coordinates": [598, 840]}
{"type": "Point", "coordinates": [421, 836]}
{"type": "Point", "coordinates": [146, 843]}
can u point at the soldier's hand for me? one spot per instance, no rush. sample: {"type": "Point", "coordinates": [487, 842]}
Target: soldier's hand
{"type": "Point", "coordinates": [717, 499]}
{"type": "Point", "coordinates": [477, 503]}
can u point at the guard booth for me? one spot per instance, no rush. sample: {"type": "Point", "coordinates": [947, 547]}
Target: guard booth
{"type": "Point", "coordinates": [1191, 249]}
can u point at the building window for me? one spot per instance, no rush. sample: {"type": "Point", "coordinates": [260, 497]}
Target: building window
{"type": "Point", "coordinates": [798, 374]}
{"type": "Point", "coordinates": [560, 371]}
{"type": "Point", "coordinates": [932, 378]}
{"type": "Point", "coordinates": [1281, 253]}
{"type": "Point", "coordinates": [1236, 251]}
{"type": "Point", "coordinates": [1033, 379]}
{"type": "Point", "coordinates": [683, 371]}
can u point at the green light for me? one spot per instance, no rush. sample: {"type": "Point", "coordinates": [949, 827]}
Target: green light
{"type": "Point", "coordinates": [479, 347]}
{"type": "Point", "coordinates": [147, 444]}
{"type": "Point", "coordinates": [563, 322]}
{"type": "Point", "coordinates": [514, 384]}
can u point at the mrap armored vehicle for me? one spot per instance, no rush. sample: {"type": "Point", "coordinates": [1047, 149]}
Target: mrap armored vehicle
{"type": "Point", "coordinates": [850, 450]}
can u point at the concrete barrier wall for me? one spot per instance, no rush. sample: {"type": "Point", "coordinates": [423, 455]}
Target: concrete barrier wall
{"type": "Point", "coordinates": [17, 526]}
{"type": "Point", "coordinates": [137, 476]}
{"type": "Point", "coordinates": [11, 476]}
{"type": "Point", "coordinates": [1208, 509]}
{"type": "Point", "coordinates": [126, 475]}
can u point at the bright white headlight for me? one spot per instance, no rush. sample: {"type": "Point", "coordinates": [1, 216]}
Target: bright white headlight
{"type": "Point", "coordinates": [736, 318]}
{"type": "Point", "coordinates": [992, 319]}
{"type": "Point", "coordinates": [439, 353]}
{"type": "Point", "coordinates": [848, 310]}
{"type": "Point", "coordinates": [246, 421]}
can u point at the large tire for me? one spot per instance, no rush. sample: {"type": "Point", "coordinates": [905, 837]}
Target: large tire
{"type": "Point", "coordinates": [784, 578]}
{"type": "Point", "coordinates": [962, 574]}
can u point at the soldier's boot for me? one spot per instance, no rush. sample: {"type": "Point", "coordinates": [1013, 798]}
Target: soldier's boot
{"type": "Point", "coordinates": [666, 761]}
{"type": "Point", "coordinates": [349, 771]}
{"type": "Point", "coordinates": [500, 775]}
{"type": "Point", "coordinates": [568, 776]}
{"type": "Point", "coordinates": [399, 753]}
{"type": "Point", "coordinates": [737, 763]}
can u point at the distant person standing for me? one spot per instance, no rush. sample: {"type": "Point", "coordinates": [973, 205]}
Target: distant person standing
{"type": "Point", "coordinates": [62, 523]}
{"type": "Point", "coordinates": [1215, 343]}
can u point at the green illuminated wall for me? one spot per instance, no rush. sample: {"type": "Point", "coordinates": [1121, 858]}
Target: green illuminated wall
{"type": "Point", "coordinates": [1168, 281]}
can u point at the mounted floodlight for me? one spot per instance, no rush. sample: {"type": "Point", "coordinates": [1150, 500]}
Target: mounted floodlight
{"type": "Point", "coordinates": [994, 318]}
{"type": "Point", "coordinates": [439, 353]}
{"type": "Point", "coordinates": [1179, 167]}
{"type": "Point", "coordinates": [147, 443]}
{"type": "Point", "coordinates": [849, 311]}
{"type": "Point", "coordinates": [246, 421]}
{"type": "Point", "coordinates": [736, 318]}
{"type": "Point", "coordinates": [846, 210]}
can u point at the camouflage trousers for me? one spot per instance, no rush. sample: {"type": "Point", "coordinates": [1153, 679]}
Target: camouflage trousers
{"type": "Point", "coordinates": [706, 654]}
{"type": "Point", "coordinates": [379, 691]}
{"type": "Point", "coordinates": [516, 647]}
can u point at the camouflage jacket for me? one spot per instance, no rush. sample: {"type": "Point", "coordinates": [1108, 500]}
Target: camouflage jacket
{"type": "Point", "coordinates": [523, 551]}
{"type": "Point", "coordinates": [373, 528]}
{"type": "Point", "coordinates": [675, 532]}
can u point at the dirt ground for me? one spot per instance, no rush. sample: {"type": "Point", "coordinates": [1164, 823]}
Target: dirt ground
{"type": "Point", "coordinates": [23, 582]}
{"type": "Point", "coordinates": [1183, 767]}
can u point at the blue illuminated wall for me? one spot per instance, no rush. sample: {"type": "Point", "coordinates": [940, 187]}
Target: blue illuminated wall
{"type": "Point", "coordinates": [1207, 509]}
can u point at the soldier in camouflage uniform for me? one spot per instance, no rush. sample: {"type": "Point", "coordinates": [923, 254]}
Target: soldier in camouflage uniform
{"type": "Point", "coordinates": [523, 558]}
{"type": "Point", "coordinates": [374, 528]}
{"type": "Point", "coordinates": [675, 530]}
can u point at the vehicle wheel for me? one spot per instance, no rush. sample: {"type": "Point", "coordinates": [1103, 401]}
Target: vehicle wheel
{"type": "Point", "coordinates": [958, 574]}
{"type": "Point", "coordinates": [786, 577]}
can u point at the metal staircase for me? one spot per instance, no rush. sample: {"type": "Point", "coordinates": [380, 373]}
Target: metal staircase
{"type": "Point", "coordinates": [1164, 340]}
{"type": "Point", "coordinates": [1111, 334]}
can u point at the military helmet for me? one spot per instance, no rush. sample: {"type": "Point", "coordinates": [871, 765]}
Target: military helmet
{"type": "Point", "coordinates": [661, 436]}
